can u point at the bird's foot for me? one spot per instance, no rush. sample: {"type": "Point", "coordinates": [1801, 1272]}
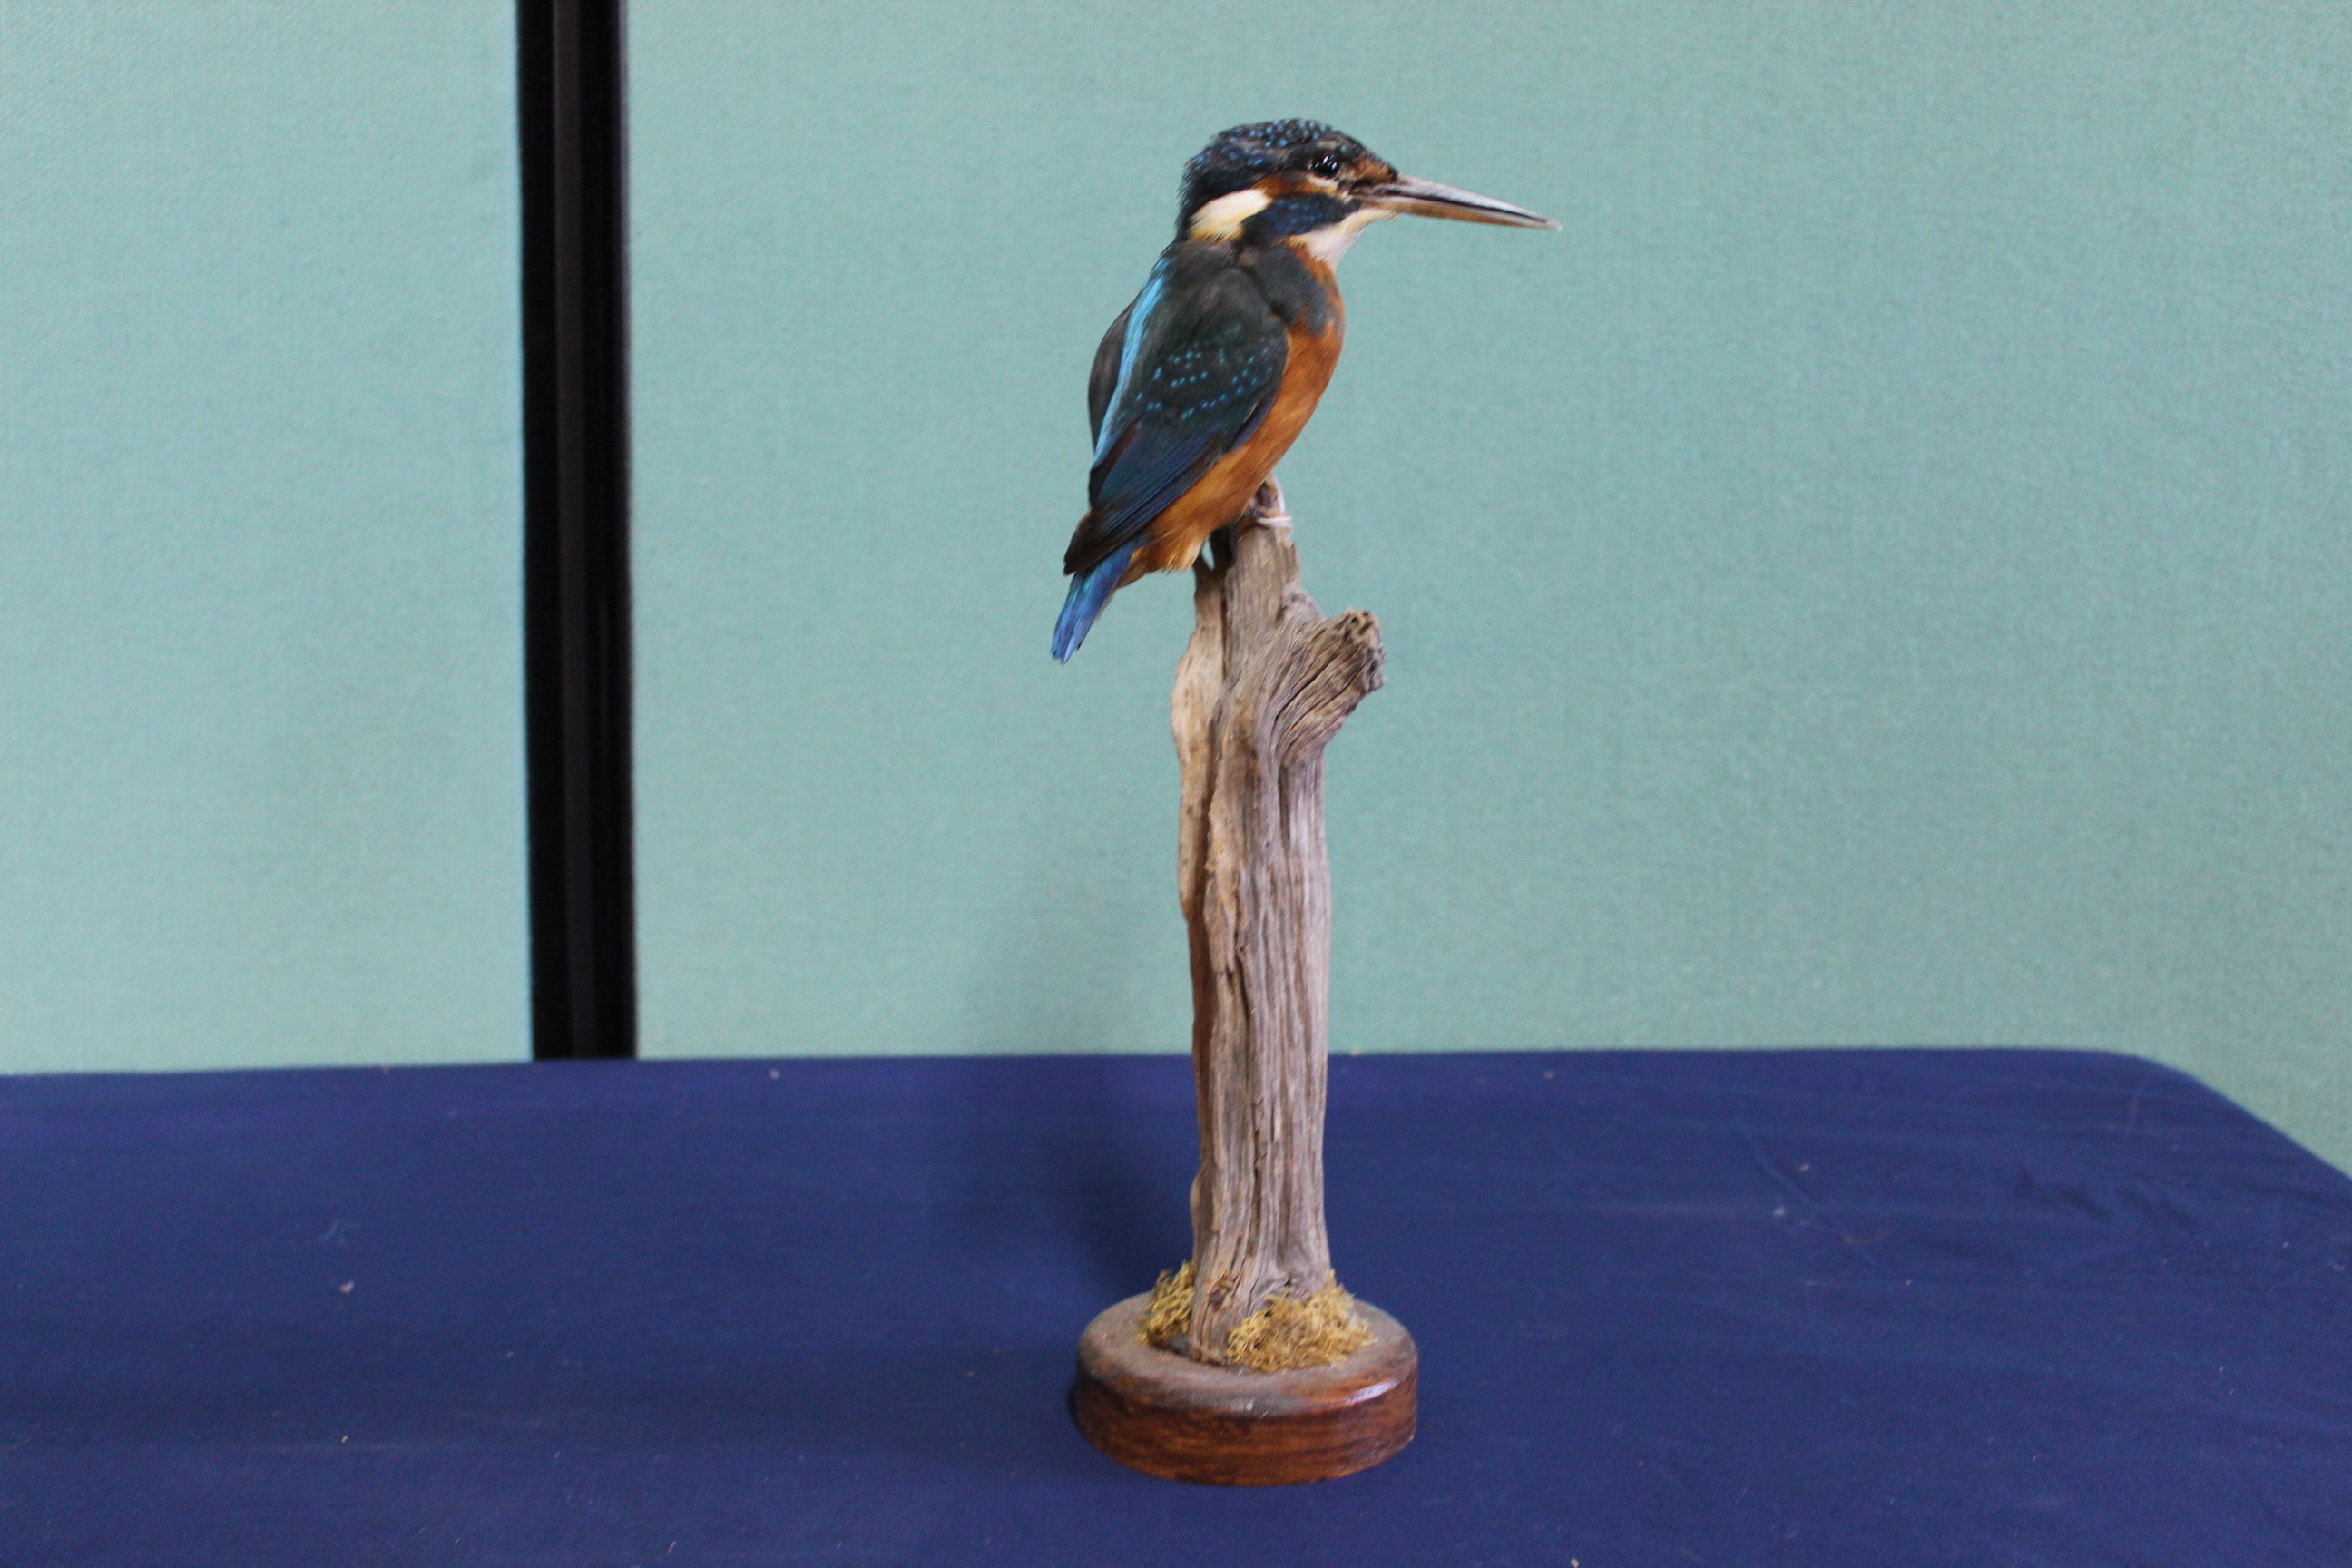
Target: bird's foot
{"type": "Point", "coordinates": [1266, 509]}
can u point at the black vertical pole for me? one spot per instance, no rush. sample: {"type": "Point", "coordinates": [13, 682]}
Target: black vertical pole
{"type": "Point", "coordinates": [576, 526]}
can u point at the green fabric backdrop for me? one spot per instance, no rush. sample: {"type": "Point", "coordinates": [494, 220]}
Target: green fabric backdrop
{"type": "Point", "coordinates": [1880, 575]}
{"type": "Point", "coordinates": [260, 697]}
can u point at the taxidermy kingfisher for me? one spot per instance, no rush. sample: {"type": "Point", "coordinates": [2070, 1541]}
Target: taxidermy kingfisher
{"type": "Point", "coordinates": [1204, 382]}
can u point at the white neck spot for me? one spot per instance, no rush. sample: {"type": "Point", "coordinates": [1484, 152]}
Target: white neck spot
{"type": "Point", "coordinates": [1221, 220]}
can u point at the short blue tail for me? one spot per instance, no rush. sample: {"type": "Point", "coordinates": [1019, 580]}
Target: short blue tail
{"type": "Point", "coordinates": [1089, 591]}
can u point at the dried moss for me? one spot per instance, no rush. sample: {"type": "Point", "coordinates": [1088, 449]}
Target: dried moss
{"type": "Point", "coordinates": [1170, 1311]}
{"type": "Point", "coordinates": [1285, 1334]}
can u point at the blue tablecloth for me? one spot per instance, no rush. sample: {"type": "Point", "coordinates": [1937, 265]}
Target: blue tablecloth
{"type": "Point", "coordinates": [1868, 1308]}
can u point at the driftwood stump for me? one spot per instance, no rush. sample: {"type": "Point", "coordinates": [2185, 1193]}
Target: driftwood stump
{"type": "Point", "coordinates": [1263, 688]}
{"type": "Point", "coordinates": [1251, 1366]}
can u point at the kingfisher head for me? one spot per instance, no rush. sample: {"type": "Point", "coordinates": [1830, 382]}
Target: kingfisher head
{"type": "Point", "coordinates": [1300, 183]}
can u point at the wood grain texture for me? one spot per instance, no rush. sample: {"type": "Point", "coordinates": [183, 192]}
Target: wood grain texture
{"type": "Point", "coordinates": [1169, 1416]}
{"type": "Point", "coordinates": [1260, 690]}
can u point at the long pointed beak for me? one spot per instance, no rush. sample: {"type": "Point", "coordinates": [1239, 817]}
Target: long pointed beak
{"type": "Point", "coordinates": [1427, 198]}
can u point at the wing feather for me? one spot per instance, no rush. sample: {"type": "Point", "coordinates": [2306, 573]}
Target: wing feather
{"type": "Point", "coordinates": [1103, 383]}
{"type": "Point", "coordinates": [1200, 358]}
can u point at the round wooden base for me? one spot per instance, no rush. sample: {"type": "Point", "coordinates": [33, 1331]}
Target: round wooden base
{"type": "Point", "coordinates": [1168, 1415]}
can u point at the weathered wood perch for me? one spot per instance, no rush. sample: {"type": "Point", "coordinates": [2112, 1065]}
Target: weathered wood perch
{"type": "Point", "coordinates": [1260, 690]}
{"type": "Point", "coordinates": [1250, 1366]}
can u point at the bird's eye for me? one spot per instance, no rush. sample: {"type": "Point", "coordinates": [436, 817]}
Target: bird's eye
{"type": "Point", "coordinates": [1327, 164]}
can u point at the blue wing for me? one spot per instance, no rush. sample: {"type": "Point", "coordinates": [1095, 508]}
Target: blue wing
{"type": "Point", "coordinates": [1199, 363]}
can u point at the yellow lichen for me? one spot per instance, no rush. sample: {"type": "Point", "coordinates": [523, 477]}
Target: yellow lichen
{"type": "Point", "coordinates": [1170, 1311]}
{"type": "Point", "coordinates": [1285, 1334]}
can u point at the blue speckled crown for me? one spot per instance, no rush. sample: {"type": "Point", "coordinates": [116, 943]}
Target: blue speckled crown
{"type": "Point", "coordinates": [1239, 158]}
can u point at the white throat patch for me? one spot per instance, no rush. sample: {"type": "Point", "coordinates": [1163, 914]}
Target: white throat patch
{"type": "Point", "coordinates": [1329, 243]}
